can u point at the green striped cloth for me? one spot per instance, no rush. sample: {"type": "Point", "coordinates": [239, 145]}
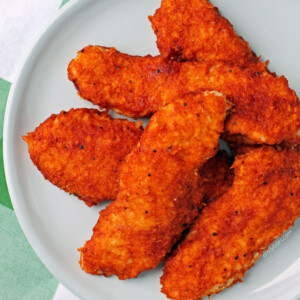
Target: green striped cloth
{"type": "Point", "coordinates": [22, 275]}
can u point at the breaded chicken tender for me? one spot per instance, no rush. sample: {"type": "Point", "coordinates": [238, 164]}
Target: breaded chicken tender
{"type": "Point", "coordinates": [232, 232]}
{"type": "Point", "coordinates": [81, 152]}
{"type": "Point", "coordinates": [217, 176]}
{"type": "Point", "coordinates": [266, 109]}
{"type": "Point", "coordinates": [195, 30]}
{"type": "Point", "coordinates": [160, 190]}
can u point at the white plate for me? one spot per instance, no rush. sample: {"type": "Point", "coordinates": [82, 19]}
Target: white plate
{"type": "Point", "coordinates": [55, 223]}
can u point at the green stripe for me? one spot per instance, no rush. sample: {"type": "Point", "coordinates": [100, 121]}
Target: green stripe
{"type": "Point", "coordinates": [22, 275]}
{"type": "Point", "coordinates": [4, 90]}
{"type": "Point", "coordinates": [4, 195]}
{"type": "Point", "coordinates": [64, 2]}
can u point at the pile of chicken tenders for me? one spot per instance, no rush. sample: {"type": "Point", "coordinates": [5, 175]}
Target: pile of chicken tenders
{"type": "Point", "coordinates": [176, 197]}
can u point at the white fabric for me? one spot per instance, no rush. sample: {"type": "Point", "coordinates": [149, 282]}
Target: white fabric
{"type": "Point", "coordinates": [64, 294]}
{"type": "Point", "coordinates": [20, 23]}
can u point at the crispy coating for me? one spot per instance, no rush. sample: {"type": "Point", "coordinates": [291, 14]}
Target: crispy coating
{"type": "Point", "coordinates": [266, 109]}
{"type": "Point", "coordinates": [195, 30]}
{"type": "Point", "coordinates": [81, 152]}
{"type": "Point", "coordinates": [233, 231]}
{"type": "Point", "coordinates": [217, 176]}
{"type": "Point", "coordinates": [159, 189]}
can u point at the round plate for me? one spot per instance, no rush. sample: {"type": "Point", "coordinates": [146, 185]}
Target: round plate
{"type": "Point", "coordinates": [55, 223]}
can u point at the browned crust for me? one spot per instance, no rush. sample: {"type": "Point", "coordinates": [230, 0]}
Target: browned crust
{"type": "Point", "coordinates": [160, 189]}
{"type": "Point", "coordinates": [81, 152]}
{"type": "Point", "coordinates": [195, 30]}
{"type": "Point", "coordinates": [233, 231]}
{"type": "Point", "coordinates": [217, 176]}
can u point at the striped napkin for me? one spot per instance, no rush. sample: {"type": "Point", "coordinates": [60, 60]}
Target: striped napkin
{"type": "Point", "coordinates": [22, 275]}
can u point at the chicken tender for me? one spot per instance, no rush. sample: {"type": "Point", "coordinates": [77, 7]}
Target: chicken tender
{"type": "Point", "coordinates": [217, 176]}
{"type": "Point", "coordinates": [195, 30]}
{"type": "Point", "coordinates": [232, 232]}
{"type": "Point", "coordinates": [159, 191]}
{"type": "Point", "coordinates": [81, 152]}
{"type": "Point", "coordinates": [266, 109]}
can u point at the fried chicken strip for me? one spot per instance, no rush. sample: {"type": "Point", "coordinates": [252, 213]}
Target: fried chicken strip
{"type": "Point", "coordinates": [266, 109]}
{"type": "Point", "coordinates": [81, 152]}
{"type": "Point", "coordinates": [195, 30]}
{"type": "Point", "coordinates": [232, 232]}
{"type": "Point", "coordinates": [159, 191]}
